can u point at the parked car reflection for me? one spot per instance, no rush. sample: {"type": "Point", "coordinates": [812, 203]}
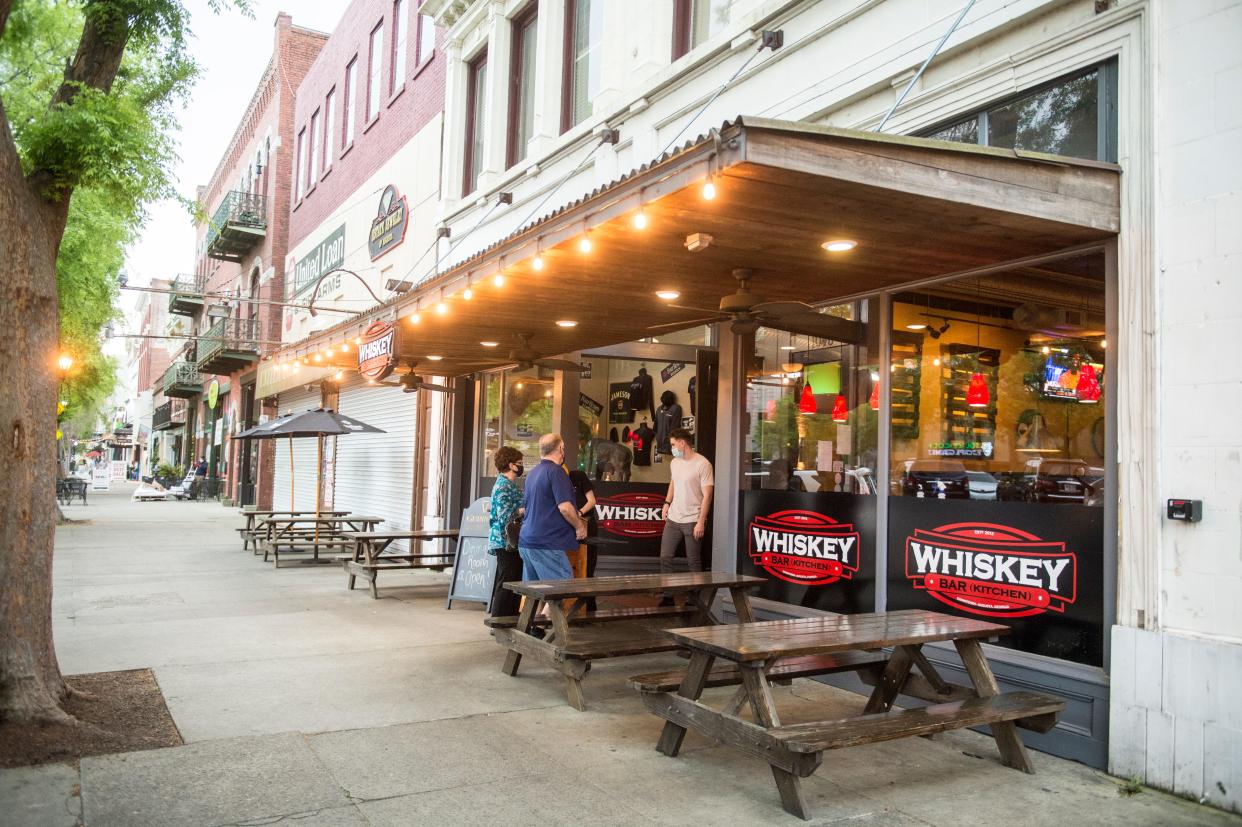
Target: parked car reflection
{"type": "Point", "coordinates": [982, 485]}
{"type": "Point", "coordinates": [943, 479]}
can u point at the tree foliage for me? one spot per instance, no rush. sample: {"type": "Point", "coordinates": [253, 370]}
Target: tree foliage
{"type": "Point", "coordinates": [113, 148]}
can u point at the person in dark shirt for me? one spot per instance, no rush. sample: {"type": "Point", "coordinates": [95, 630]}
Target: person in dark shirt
{"type": "Point", "coordinates": [584, 499]}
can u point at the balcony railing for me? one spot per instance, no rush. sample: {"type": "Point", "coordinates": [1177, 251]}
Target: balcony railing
{"type": "Point", "coordinates": [185, 297]}
{"type": "Point", "coordinates": [238, 224]}
{"type": "Point", "coordinates": [230, 344]}
{"type": "Point", "coordinates": [169, 415]}
{"type": "Point", "coordinates": [182, 379]}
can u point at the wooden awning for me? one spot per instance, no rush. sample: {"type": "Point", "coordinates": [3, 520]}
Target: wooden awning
{"type": "Point", "coordinates": [915, 208]}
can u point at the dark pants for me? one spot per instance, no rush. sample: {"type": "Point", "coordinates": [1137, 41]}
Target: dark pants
{"type": "Point", "coordinates": [508, 568]}
{"type": "Point", "coordinates": [592, 559]}
{"type": "Point", "coordinates": [674, 535]}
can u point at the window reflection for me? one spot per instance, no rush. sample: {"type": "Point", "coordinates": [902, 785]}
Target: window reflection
{"type": "Point", "coordinates": [998, 388]}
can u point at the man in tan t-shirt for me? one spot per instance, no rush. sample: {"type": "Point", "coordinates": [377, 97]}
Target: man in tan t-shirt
{"type": "Point", "coordinates": [687, 503]}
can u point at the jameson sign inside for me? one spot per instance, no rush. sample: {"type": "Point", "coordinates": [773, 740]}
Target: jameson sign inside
{"type": "Point", "coordinates": [324, 258]}
{"type": "Point", "coordinates": [815, 549]}
{"type": "Point", "coordinates": [1036, 568]}
{"type": "Point", "coordinates": [377, 353]}
{"type": "Point", "coordinates": [388, 228]}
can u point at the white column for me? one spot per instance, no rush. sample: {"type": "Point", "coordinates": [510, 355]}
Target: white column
{"type": "Point", "coordinates": [454, 125]}
{"type": "Point", "coordinates": [549, 49]}
{"type": "Point", "coordinates": [496, 104]}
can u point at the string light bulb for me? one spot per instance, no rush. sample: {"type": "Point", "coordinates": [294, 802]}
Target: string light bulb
{"type": "Point", "coordinates": [467, 294]}
{"type": "Point", "coordinates": [442, 307]}
{"type": "Point", "coordinates": [640, 220]}
{"type": "Point", "coordinates": [709, 190]}
{"type": "Point", "coordinates": [536, 264]}
{"type": "Point", "coordinates": [584, 243]}
{"type": "Point", "coordinates": [499, 280]}
{"type": "Point", "coordinates": [416, 317]}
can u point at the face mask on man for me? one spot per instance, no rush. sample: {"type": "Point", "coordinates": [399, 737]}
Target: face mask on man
{"type": "Point", "coordinates": [678, 453]}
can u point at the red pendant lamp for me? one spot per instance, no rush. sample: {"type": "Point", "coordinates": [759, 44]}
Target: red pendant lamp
{"type": "Point", "coordinates": [1088, 390]}
{"type": "Point", "coordinates": [875, 396]}
{"type": "Point", "coordinates": [806, 404]}
{"type": "Point", "coordinates": [839, 412]}
{"type": "Point", "coordinates": [977, 395]}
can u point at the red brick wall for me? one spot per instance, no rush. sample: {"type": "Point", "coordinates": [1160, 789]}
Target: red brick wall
{"type": "Point", "coordinates": [400, 117]}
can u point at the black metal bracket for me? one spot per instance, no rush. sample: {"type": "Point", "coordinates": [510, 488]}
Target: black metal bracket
{"type": "Point", "coordinates": [774, 38]}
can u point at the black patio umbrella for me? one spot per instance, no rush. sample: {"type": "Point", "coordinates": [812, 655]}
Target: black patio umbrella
{"type": "Point", "coordinates": [316, 423]}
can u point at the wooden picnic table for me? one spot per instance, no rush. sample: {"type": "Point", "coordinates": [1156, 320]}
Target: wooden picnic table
{"type": "Point", "coordinates": [250, 531]}
{"type": "Point", "coordinates": [370, 553]}
{"type": "Point", "coordinates": [577, 637]}
{"type": "Point", "coordinates": [760, 652]}
{"type": "Point", "coordinates": [296, 533]}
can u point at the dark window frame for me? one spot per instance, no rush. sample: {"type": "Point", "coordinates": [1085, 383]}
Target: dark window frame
{"type": "Point", "coordinates": [421, 59]}
{"type": "Point", "coordinates": [372, 56]}
{"type": "Point", "coordinates": [683, 11]}
{"type": "Point", "coordinates": [527, 17]}
{"type": "Point", "coordinates": [349, 104]}
{"type": "Point", "coordinates": [469, 179]}
{"type": "Point", "coordinates": [1106, 96]}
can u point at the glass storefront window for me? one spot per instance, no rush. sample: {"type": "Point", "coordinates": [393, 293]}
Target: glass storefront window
{"type": "Point", "coordinates": [998, 439]}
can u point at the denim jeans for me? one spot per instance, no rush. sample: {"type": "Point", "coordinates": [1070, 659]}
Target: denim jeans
{"type": "Point", "coordinates": [545, 564]}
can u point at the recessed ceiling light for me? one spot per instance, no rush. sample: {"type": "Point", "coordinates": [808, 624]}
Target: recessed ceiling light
{"type": "Point", "coordinates": [916, 326]}
{"type": "Point", "coordinates": [566, 323]}
{"type": "Point", "coordinates": [787, 347]}
{"type": "Point", "coordinates": [668, 295]}
{"type": "Point", "coordinates": [839, 245]}
{"type": "Point", "coordinates": [435, 358]}
{"type": "Point", "coordinates": [490, 344]}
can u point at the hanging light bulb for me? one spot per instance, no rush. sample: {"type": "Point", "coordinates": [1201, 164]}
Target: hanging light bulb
{"type": "Point", "coordinates": [977, 395]}
{"type": "Point", "coordinates": [840, 413]}
{"type": "Point", "coordinates": [442, 308]}
{"type": "Point", "coordinates": [468, 294]}
{"type": "Point", "coordinates": [499, 280]}
{"type": "Point", "coordinates": [536, 263]}
{"type": "Point", "coordinates": [1088, 390]}
{"type": "Point", "coordinates": [640, 220]}
{"type": "Point", "coordinates": [415, 317]}
{"type": "Point", "coordinates": [807, 403]}
{"type": "Point", "coordinates": [584, 244]}
{"type": "Point", "coordinates": [709, 190]}
{"type": "Point", "coordinates": [875, 396]}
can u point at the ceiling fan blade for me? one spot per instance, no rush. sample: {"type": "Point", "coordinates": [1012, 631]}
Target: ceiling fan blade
{"type": "Point", "coordinates": [713, 310]}
{"type": "Point", "coordinates": [687, 323]}
{"type": "Point", "coordinates": [426, 386]}
{"type": "Point", "coordinates": [782, 308]}
{"type": "Point", "coordinates": [560, 364]}
{"type": "Point", "coordinates": [817, 324]}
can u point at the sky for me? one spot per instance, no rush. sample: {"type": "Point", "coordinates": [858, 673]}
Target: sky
{"type": "Point", "coordinates": [232, 51]}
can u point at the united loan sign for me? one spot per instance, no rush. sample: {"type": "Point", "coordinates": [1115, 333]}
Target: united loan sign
{"type": "Point", "coordinates": [377, 355]}
{"type": "Point", "coordinates": [804, 547]}
{"type": "Point", "coordinates": [992, 570]}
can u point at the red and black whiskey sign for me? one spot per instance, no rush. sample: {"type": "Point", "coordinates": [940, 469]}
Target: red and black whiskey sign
{"type": "Point", "coordinates": [992, 570]}
{"type": "Point", "coordinates": [631, 515]}
{"type": "Point", "coordinates": [377, 354]}
{"type": "Point", "coordinates": [804, 547]}
{"type": "Point", "coordinates": [1035, 567]}
{"type": "Point", "coordinates": [814, 549]}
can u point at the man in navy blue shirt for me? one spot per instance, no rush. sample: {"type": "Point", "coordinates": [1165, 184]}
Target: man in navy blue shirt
{"type": "Point", "coordinates": [552, 526]}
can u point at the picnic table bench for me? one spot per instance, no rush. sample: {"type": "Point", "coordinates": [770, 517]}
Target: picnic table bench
{"type": "Point", "coordinates": [758, 653]}
{"type": "Point", "coordinates": [576, 637]}
{"type": "Point", "coordinates": [370, 554]}
{"type": "Point", "coordinates": [311, 533]}
{"type": "Point", "coordinates": [251, 531]}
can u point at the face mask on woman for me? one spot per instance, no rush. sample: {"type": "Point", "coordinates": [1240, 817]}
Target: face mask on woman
{"type": "Point", "coordinates": [518, 468]}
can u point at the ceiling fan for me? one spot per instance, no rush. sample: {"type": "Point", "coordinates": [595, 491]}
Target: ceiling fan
{"type": "Point", "coordinates": [525, 357]}
{"type": "Point", "coordinates": [409, 382]}
{"type": "Point", "coordinates": [749, 311]}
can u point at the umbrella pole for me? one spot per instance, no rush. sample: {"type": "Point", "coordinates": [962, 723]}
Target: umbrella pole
{"type": "Point", "coordinates": [318, 483]}
{"type": "Point", "coordinates": [291, 478]}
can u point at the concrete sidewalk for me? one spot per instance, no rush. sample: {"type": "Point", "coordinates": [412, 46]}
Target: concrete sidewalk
{"type": "Point", "coordinates": [304, 703]}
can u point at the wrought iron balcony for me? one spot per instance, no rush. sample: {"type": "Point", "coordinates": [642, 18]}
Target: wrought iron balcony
{"type": "Point", "coordinates": [186, 296]}
{"type": "Point", "coordinates": [182, 380]}
{"type": "Point", "coordinates": [230, 345]}
{"type": "Point", "coordinates": [240, 222]}
{"type": "Point", "coordinates": [169, 415]}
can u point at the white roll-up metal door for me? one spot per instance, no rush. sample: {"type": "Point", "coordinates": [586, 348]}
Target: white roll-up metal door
{"type": "Point", "coordinates": [375, 472]}
{"type": "Point", "coordinates": [304, 457]}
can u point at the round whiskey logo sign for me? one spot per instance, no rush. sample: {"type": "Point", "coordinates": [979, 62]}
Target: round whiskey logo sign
{"type": "Point", "coordinates": [992, 570]}
{"type": "Point", "coordinates": [377, 355]}
{"type": "Point", "coordinates": [633, 515]}
{"type": "Point", "coordinates": [804, 547]}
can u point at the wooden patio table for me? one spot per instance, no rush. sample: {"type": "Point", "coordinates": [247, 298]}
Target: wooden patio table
{"type": "Point", "coordinates": [577, 637]}
{"type": "Point", "coordinates": [794, 751]}
{"type": "Point", "coordinates": [310, 533]}
{"type": "Point", "coordinates": [250, 531]}
{"type": "Point", "coordinates": [370, 553]}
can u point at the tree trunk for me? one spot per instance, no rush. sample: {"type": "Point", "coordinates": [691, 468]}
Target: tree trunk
{"type": "Point", "coordinates": [31, 686]}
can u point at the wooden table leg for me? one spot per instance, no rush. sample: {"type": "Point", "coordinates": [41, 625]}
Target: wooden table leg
{"type": "Point", "coordinates": [560, 635]}
{"type": "Point", "coordinates": [891, 680]}
{"type": "Point", "coordinates": [691, 687]}
{"type": "Point", "coordinates": [762, 704]}
{"type": "Point", "coordinates": [514, 658]}
{"type": "Point", "coordinates": [357, 553]}
{"type": "Point", "coordinates": [1012, 750]}
{"type": "Point", "coordinates": [741, 604]}
{"type": "Point", "coordinates": [703, 600]}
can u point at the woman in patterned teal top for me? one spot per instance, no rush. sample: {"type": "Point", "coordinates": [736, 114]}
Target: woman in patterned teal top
{"type": "Point", "coordinates": [505, 505]}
